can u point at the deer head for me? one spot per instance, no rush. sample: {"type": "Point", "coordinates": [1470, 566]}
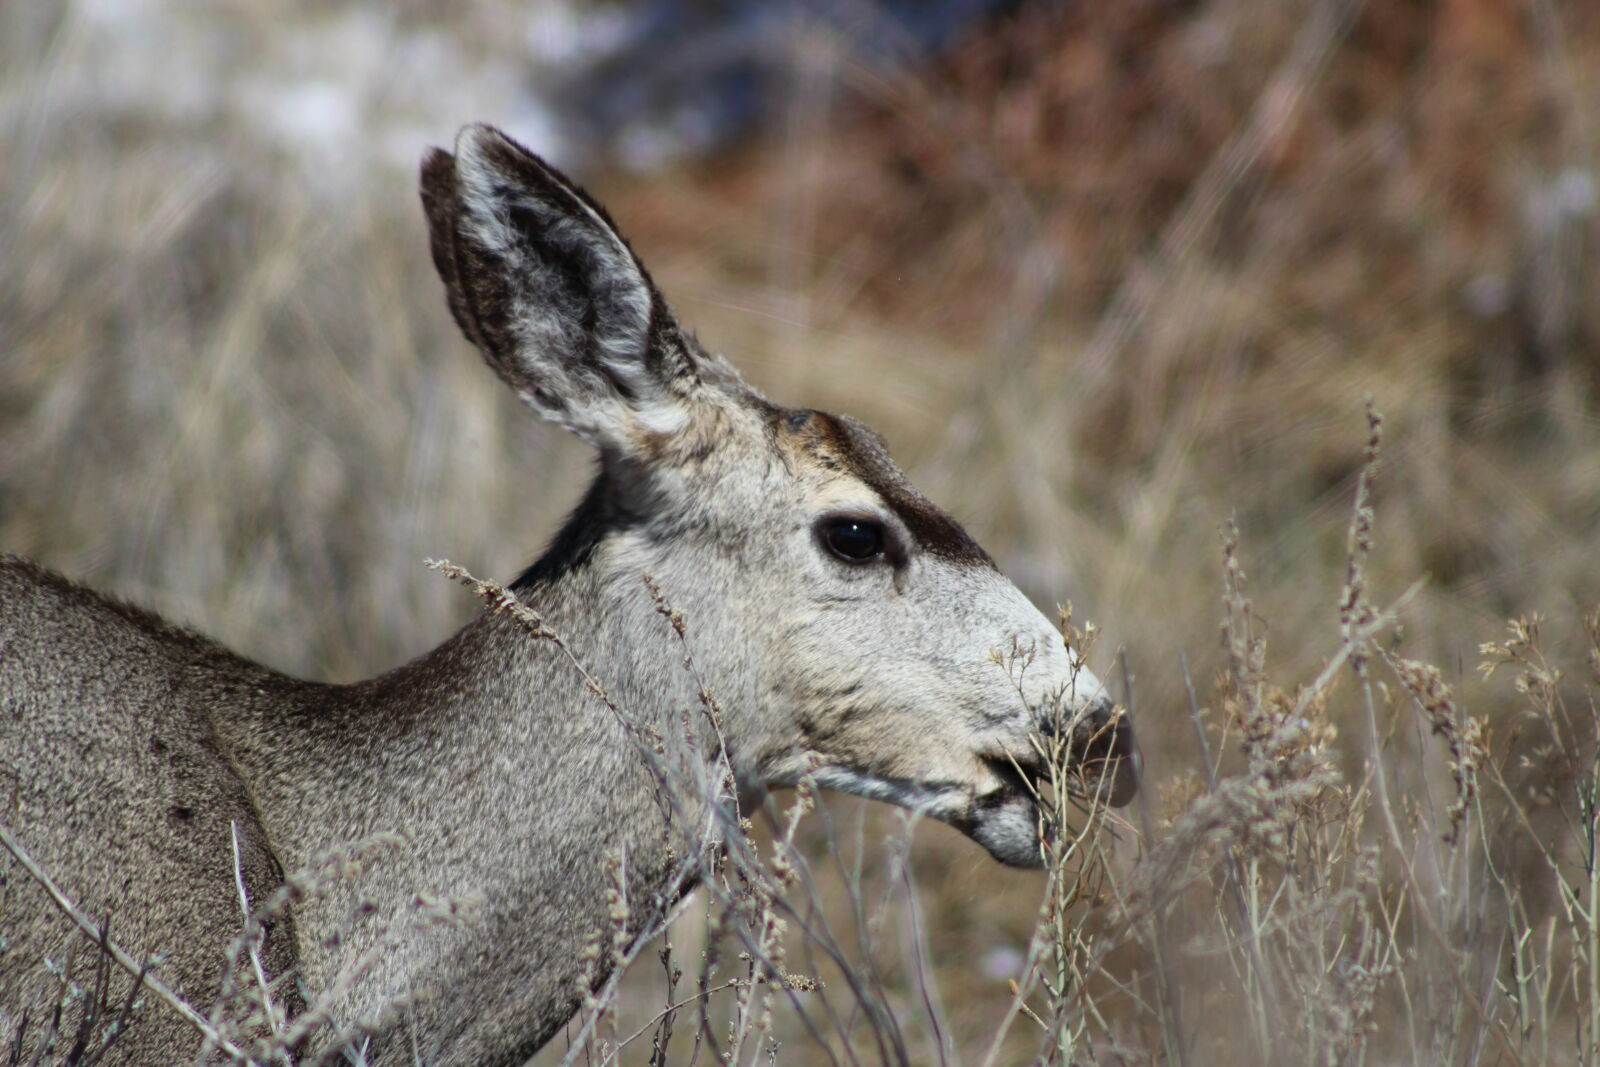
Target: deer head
{"type": "Point", "coordinates": [850, 629]}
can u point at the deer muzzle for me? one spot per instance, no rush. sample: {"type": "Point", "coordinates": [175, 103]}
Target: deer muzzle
{"type": "Point", "coordinates": [1103, 753]}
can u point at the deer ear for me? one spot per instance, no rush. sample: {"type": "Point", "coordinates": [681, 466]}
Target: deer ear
{"type": "Point", "coordinates": [539, 279]}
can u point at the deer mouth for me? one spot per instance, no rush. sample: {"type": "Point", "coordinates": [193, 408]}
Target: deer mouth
{"type": "Point", "coordinates": [1001, 812]}
{"type": "Point", "coordinates": [1102, 768]}
{"type": "Point", "coordinates": [1020, 777]}
{"type": "Point", "coordinates": [1007, 819]}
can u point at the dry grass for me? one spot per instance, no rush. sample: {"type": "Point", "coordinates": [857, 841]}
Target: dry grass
{"type": "Point", "coordinates": [1109, 280]}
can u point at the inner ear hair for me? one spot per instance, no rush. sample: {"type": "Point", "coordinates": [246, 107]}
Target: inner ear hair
{"type": "Point", "coordinates": [539, 279]}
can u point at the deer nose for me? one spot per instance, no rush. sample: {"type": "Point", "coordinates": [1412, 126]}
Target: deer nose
{"type": "Point", "coordinates": [1105, 753]}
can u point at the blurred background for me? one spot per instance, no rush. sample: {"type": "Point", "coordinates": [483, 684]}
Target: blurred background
{"type": "Point", "coordinates": [1105, 275]}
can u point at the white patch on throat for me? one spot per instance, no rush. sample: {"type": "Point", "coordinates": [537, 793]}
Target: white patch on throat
{"type": "Point", "coordinates": [936, 801]}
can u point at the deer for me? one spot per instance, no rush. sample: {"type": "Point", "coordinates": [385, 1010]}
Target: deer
{"type": "Point", "coordinates": [846, 627]}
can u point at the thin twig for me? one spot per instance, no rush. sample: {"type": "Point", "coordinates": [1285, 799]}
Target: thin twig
{"type": "Point", "coordinates": [1163, 949]}
{"type": "Point", "coordinates": [252, 943]}
{"type": "Point", "coordinates": [125, 961]}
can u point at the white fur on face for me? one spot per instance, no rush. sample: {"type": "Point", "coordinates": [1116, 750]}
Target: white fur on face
{"type": "Point", "coordinates": [913, 697]}
{"type": "Point", "coordinates": [909, 684]}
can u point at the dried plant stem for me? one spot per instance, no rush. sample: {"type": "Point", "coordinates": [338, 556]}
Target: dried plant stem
{"type": "Point", "coordinates": [1177, 1044]}
{"type": "Point", "coordinates": [1418, 895]}
{"type": "Point", "coordinates": [580, 1042]}
{"type": "Point", "coordinates": [1244, 914]}
{"type": "Point", "coordinates": [269, 1008]}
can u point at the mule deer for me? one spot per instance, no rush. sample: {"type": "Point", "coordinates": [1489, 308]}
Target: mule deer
{"type": "Point", "coordinates": [845, 626]}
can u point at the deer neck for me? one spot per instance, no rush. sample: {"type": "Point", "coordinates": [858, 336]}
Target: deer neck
{"type": "Point", "coordinates": [522, 793]}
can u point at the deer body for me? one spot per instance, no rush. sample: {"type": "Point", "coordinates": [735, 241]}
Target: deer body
{"type": "Point", "coordinates": [844, 626]}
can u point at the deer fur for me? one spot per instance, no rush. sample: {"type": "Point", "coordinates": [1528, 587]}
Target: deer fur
{"type": "Point", "coordinates": [135, 751]}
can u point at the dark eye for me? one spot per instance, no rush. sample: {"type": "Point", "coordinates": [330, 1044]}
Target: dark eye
{"type": "Point", "coordinates": [854, 540]}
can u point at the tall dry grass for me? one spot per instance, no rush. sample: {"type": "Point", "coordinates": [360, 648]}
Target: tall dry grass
{"type": "Point", "coordinates": [1110, 278]}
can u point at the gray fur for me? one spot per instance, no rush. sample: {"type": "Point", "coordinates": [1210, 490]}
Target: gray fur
{"type": "Point", "coordinates": [133, 747]}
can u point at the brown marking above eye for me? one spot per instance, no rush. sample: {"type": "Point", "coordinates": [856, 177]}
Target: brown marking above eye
{"type": "Point", "coordinates": [842, 443]}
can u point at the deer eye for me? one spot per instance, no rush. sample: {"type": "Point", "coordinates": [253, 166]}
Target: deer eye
{"type": "Point", "coordinates": [853, 540]}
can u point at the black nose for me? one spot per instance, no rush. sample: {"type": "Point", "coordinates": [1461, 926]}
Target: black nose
{"type": "Point", "coordinates": [1104, 752]}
